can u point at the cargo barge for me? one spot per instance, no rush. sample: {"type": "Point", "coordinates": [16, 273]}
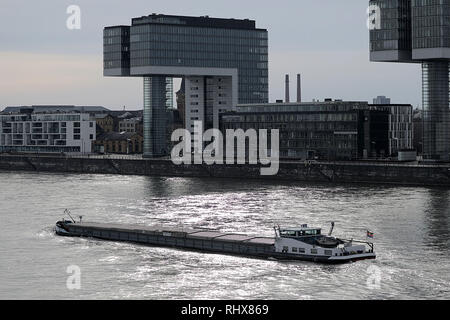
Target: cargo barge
{"type": "Point", "coordinates": [306, 244]}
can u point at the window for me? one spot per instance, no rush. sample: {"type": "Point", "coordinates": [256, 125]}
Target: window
{"type": "Point", "coordinates": [76, 137]}
{"type": "Point", "coordinates": [311, 232]}
{"type": "Point", "coordinates": [91, 124]}
{"type": "Point", "coordinates": [91, 137]}
{"type": "Point", "coordinates": [287, 233]}
{"type": "Point", "coordinates": [328, 253]}
{"type": "Point", "coordinates": [294, 250]}
{"type": "Point", "coordinates": [301, 250]}
{"type": "Point", "coordinates": [313, 251]}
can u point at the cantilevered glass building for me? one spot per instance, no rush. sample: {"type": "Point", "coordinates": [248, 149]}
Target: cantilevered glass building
{"type": "Point", "coordinates": [223, 62]}
{"type": "Point", "coordinates": [418, 31]}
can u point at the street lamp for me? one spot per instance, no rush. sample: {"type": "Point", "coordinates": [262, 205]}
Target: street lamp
{"type": "Point", "coordinates": [374, 149]}
{"type": "Point", "coordinates": [128, 146]}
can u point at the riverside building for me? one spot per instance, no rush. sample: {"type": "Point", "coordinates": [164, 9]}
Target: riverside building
{"type": "Point", "coordinates": [58, 132]}
{"type": "Point", "coordinates": [223, 62]}
{"type": "Point", "coordinates": [418, 31]}
{"type": "Point", "coordinates": [331, 130]}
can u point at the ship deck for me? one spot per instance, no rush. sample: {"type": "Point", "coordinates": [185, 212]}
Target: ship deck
{"type": "Point", "coordinates": [170, 232]}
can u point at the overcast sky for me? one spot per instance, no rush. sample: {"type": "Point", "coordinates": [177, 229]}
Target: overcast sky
{"type": "Point", "coordinates": [42, 62]}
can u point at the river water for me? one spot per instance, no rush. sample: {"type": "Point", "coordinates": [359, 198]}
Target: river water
{"type": "Point", "coordinates": [411, 226]}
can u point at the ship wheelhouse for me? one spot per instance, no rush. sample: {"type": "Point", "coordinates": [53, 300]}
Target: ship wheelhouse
{"type": "Point", "coordinates": [311, 236]}
{"type": "Point", "coordinates": [299, 233]}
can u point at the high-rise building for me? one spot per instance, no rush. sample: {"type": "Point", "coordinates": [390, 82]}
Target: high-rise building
{"type": "Point", "coordinates": [418, 31]}
{"type": "Point", "coordinates": [381, 100]}
{"type": "Point", "coordinates": [223, 62]}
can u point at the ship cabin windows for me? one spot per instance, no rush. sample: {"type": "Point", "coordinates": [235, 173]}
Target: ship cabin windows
{"type": "Point", "coordinates": [313, 251]}
{"type": "Point", "coordinates": [300, 233]}
{"type": "Point", "coordinates": [328, 253]}
{"type": "Point", "coordinates": [288, 233]}
{"type": "Point", "coordinates": [295, 250]}
{"type": "Point", "coordinates": [310, 232]}
{"type": "Point", "coordinates": [301, 250]}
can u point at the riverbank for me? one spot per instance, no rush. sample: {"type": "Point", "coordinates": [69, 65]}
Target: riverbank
{"type": "Point", "coordinates": [334, 172]}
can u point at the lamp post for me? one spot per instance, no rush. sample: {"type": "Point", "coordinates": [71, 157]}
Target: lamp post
{"type": "Point", "coordinates": [128, 146]}
{"type": "Point", "coordinates": [374, 148]}
{"type": "Point", "coordinates": [397, 144]}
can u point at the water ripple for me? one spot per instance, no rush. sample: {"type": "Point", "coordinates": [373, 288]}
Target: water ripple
{"type": "Point", "coordinates": [411, 228]}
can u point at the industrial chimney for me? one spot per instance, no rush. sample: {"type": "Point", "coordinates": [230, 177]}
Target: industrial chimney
{"type": "Point", "coordinates": [299, 88]}
{"type": "Point", "coordinates": [287, 89]}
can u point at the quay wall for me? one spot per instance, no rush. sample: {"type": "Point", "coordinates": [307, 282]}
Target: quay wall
{"type": "Point", "coordinates": [332, 172]}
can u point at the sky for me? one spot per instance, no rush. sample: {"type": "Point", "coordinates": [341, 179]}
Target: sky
{"type": "Point", "coordinates": [43, 62]}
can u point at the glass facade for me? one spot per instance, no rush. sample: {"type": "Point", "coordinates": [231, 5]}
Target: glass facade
{"type": "Point", "coordinates": [202, 42]}
{"type": "Point", "coordinates": [180, 46]}
{"type": "Point", "coordinates": [331, 130]}
{"type": "Point", "coordinates": [427, 42]}
{"type": "Point", "coordinates": [395, 26]}
{"type": "Point", "coordinates": [431, 24]}
{"type": "Point", "coordinates": [116, 48]}
{"type": "Point", "coordinates": [411, 24]}
{"type": "Point", "coordinates": [155, 106]}
{"type": "Point", "coordinates": [305, 134]}
{"type": "Point", "coordinates": [436, 97]}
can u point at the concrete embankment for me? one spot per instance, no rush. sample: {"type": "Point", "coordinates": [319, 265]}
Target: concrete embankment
{"type": "Point", "coordinates": [339, 172]}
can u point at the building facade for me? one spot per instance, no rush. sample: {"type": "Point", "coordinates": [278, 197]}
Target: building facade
{"type": "Point", "coordinates": [106, 122]}
{"type": "Point", "coordinates": [332, 130]}
{"type": "Point", "coordinates": [46, 132]}
{"type": "Point", "coordinates": [400, 130]}
{"type": "Point", "coordinates": [381, 100]}
{"type": "Point", "coordinates": [119, 143]}
{"type": "Point", "coordinates": [132, 125]}
{"type": "Point", "coordinates": [418, 31]}
{"type": "Point", "coordinates": [223, 62]}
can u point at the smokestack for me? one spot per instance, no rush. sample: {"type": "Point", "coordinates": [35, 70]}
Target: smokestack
{"type": "Point", "coordinates": [299, 88]}
{"type": "Point", "coordinates": [287, 89]}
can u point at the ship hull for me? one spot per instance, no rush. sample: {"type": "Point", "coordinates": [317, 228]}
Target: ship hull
{"type": "Point", "coordinates": [207, 241]}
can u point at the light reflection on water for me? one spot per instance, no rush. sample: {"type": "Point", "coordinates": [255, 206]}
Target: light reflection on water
{"type": "Point", "coordinates": [411, 228]}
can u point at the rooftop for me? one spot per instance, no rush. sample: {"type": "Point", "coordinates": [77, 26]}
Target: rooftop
{"type": "Point", "coordinates": [189, 21]}
{"type": "Point", "coordinates": [202, 21]}
{"type": "Point", "coordinates": [300, 229]}
{"type": "Point", "coordinates": [54, 108]}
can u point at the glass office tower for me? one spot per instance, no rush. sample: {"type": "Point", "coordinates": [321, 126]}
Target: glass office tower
{"type": "Point", "coordinates": [223, 61]}
{"type": "Point", "coordinates": [391, 40]}
{"type": "Point", "coordinates": [418, 31]}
